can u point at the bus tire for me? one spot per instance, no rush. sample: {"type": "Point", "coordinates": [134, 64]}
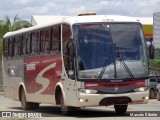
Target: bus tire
{"type": "Point", "coordinates": [64, 109]}
{"type": "Point", "coordinates": [120, 109]}
{"type": "Point", "coordinates": [35, 106]}
{"type": "Point", "coordinates": [25, 105]}
{"type": "Point", "coordinates": [151, 94]}
{"type": "Point", "coordinates": [158, 96]}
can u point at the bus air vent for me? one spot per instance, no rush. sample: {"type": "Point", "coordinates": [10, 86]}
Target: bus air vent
{"type": "Point", "coordinates": [87, 13]}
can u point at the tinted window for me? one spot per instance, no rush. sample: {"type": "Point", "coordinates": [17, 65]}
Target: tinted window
{"type": "Point", "coordinates": [45, 40]}
{"type": "Point", "coordinates": [152, 79]}
{"type": "Point", "coordinates": [10, 47]}
{"type": "Point", "coordinates": [28, 42]}
{"type": "Point", "coordinates": [17, 46]}
{"type": "Point", "coordinates": [5, 47]}
{"type": "Point", "coordinates": [56, 37]}
{"type": "Point", "coordinates": [24, 45]}
{"type": "Point", "coordinates": [67, 47]}
{"type": "Point", "coordinates": [35, 42]}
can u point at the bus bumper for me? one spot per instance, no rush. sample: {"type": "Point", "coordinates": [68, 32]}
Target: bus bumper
{"type": "Point", "coordinates": [87, 100]}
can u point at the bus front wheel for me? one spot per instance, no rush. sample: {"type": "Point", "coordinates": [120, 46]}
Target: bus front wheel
{"type": "Point", "coordinates": [158, 96]}
{"type": "Point", "coordinates": [120, 109]}
{"type": "Point", "coordinates": [151, 94]}
{"type": "Point", "coordinates": [64, 109]}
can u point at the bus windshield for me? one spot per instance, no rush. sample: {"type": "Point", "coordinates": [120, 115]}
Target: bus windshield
{"type": "Point", "coordinates": [109, 45]}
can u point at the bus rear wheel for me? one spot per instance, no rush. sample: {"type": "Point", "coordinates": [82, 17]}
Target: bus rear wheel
{"type": "Point", "coordinates": [35, 106]}
{"type": "Point", "coordinates": [120, 109]}
{"type": "Point", "coordinates": [25, 105]}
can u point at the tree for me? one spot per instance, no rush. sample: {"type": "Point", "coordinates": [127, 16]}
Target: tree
{"type": "Point", "coordinates": [6, 26]}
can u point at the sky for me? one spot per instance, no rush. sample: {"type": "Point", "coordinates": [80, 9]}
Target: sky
{"type": "Point", "coordinates": [26, 8]}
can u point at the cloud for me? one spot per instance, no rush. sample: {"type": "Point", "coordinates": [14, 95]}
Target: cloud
{"type": "Point", "coordinates": [23, 2]}
{"type": "Point", "coordinates": [77, 10]}
{"type": "Point", "coordinates": [37, 10]}
{"type": "Point", "coordinates": [27, 8]}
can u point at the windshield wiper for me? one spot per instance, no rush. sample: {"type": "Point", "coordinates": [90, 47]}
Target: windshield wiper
{"type": "Point", "coordinates": [104, 68]}
{"type": "Point", "coordinates": [124, 64]}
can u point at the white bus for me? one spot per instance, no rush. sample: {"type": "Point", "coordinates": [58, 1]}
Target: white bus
{"type": "Point", "coordinates": [79, 61]}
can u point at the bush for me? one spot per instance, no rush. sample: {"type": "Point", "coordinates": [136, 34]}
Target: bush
{"type": "Point", "coordinates": [154, 63]}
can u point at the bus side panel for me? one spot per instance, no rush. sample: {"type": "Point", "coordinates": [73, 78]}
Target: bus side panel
{"type": "Point", "coordinates": [13, 75]}
{"type": "Point", "coordinates": [41, 76]}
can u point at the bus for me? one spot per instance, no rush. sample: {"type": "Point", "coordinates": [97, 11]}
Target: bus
{"type": "Point", "coordinates": [77, 61]}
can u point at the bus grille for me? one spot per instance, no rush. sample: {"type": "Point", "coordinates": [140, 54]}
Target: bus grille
{"type": "Point", "coordinates": [114, 100]}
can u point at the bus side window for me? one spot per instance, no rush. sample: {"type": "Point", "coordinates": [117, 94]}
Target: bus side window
{"type": "Point", "coordinates": [21, 45]}
{"type": "Point", "coordinates": [5, 47]}
{"type": "Point", "coordinates": [44, 41]}
{"type": "Point", "coordinates": [17, 46]}
{"type": "Point", "coordinates": [56, 38]}
{"type": "Point", "coordinates": [35, 43]}
{"type": "Point", "coordinates": [24, 37]}
{"type": "Point", "coordinates": [41, 40]}
{"type": "Point", "coordinates": [26, 44]}
{"type": "Point", "coordinates": [13, 48]}
{"type": "Point", "coordinates": [10, 47]}
{"type": "Point", "coordinates": [32, 43]}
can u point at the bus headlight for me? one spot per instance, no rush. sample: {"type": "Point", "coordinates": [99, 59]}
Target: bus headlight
{"type": "Point", "coordinates": [87, 91]}
{"type": "Point", "coordinates": [141, 89]}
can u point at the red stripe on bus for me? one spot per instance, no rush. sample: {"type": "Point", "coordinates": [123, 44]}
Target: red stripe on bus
{"type": "Point", "coordinates": [90, 85]}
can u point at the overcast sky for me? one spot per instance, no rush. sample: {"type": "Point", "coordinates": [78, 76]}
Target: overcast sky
{"type": "Point", "coordinates": [26, 8]}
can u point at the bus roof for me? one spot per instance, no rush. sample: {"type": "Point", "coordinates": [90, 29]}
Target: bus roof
{"type": "Point", "coordinates": [99, 18]}
{"type": "Point", "coordinates": [41, 19]}
{"type": "Point", "coordinates": [76, 19]}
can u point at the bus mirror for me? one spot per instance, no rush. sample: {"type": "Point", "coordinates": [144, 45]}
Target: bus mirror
{"type": "Point", "coordinates": [151, 51]}
{"type": "Point", "coordinates": [70, 46]}
{"type": "Point", "coordinates": [71, 74]}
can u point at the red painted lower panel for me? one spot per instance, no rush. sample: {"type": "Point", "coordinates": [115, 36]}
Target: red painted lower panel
{"type": "Point", "coordinates": [42, 73]}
